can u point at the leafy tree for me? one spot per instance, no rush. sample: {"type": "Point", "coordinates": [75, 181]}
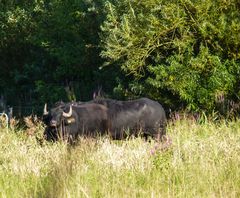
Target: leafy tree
{"type": "Point", "coordinates": [185, 50]}
{"type": "Point", "coordinates": [69, 33]}
{"type": "Point", "coordinates": [49, 51]}
{"type": "Point", "coordinates": [16, 25]}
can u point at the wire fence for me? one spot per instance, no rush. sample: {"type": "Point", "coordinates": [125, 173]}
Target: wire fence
{"type": "Point", "coordinates": [21, 111]}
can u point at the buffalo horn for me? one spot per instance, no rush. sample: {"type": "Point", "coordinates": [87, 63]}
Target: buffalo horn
{"type": "Point", "coordinates": [69, 114]}
{"type": "Point", "coordinates": [45, 112]}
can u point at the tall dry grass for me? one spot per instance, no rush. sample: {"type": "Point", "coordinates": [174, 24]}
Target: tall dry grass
{"type": "Point", "coordinates": [203, 161]}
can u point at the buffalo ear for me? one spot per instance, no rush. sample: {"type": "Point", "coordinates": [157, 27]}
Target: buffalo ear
{"type": "Point", "coordinates": [70, 120]}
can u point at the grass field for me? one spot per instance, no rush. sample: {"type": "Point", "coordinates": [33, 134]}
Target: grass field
{"type": "Point", "coordinates": [203, 161]}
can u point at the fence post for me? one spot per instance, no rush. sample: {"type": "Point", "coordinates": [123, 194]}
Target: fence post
{"type": "Point", "coordinates": [7, 120]}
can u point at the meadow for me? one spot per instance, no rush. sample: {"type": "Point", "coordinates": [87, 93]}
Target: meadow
{"type": "Point", "coordinates": [203, 161]}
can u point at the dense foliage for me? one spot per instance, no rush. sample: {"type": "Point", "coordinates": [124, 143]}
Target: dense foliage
{"type": "Point", "coordinates": [177, 50]}
{"type": "Point", "coordinates": [182, 53]}
{"type": "Point", "coordinates": [49, 52]}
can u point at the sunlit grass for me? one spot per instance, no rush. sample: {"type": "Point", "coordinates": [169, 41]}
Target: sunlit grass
{"type": "Point", "coordinates": [203, 161]}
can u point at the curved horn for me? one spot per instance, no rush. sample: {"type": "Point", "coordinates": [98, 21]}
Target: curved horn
{"type": "Point", "coordinates": [45, 112]}
{"type": "Point", "coordinates": [69, 114]}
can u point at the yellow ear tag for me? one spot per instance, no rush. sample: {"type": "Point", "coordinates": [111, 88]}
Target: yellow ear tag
{"type": "Point", "coordinates": [70, 120]}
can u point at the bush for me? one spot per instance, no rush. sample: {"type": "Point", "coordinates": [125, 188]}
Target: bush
{"type": "Point", "coordinates": [185, 49]}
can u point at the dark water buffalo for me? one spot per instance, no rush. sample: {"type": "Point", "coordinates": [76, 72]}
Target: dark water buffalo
{"type": "Point", "coordinates": [132, 117]}
{"type": "Point", "coordinates": [117, 118]}
{"type": "Point", "coordinates": [67, 121]}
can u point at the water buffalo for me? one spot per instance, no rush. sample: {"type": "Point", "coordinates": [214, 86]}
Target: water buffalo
{"type": "Point", "coordinates": [67, 121]}
{"type": "Point", "coordinates": [142, 115]}
{"type": "Point", "coordinates": [117, 118]}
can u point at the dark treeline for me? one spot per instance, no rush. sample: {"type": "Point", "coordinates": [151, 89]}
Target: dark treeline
{"type": "Point", "coordinates": [184, 53]}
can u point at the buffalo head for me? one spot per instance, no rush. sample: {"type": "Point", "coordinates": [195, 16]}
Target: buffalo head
{"type": "Point", "coordinates": [57, 121]}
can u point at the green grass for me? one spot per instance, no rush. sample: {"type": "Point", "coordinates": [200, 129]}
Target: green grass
{"type": "Point", "coordinates": [203, 161]}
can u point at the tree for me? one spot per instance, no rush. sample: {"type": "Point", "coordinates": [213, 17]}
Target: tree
{"type": "Point", "coordinates": [16, 26]}
{"type": "Point", "coordinates": [174, 51]}
{"type": "Point", "coordinates": [49, 51]}
{"type": "Point", "coordinates": [68, 32]}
